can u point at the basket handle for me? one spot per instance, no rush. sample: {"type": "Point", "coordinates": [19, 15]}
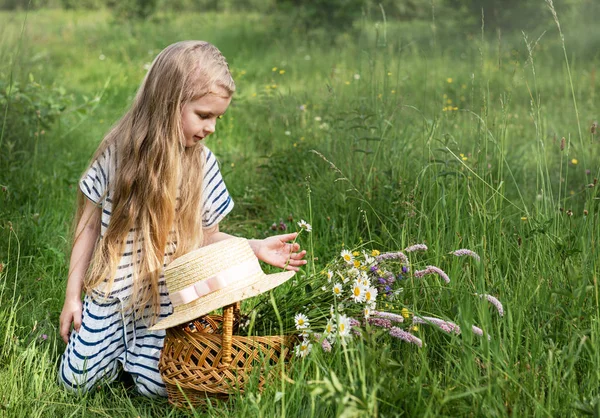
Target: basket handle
{"type": "Point", "coordinates": [228, 313]}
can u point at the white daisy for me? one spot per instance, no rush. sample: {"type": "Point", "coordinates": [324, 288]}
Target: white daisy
{"type": "Point", "coordinates": [304, 334]}
{"type": "Point", "coordinates": [368, 259]}
{"type": "Point", "coordinates": [337, 289]}
{"type": "Point", "coordinates": [305, 225]}
{"type": "Point", "coordinates": [331, 310]}
{"type": "Point", "coordinates": [301, 321]}
{"type": "Point", "coordinates": [343, 326]}
{"type": "Point", "coordinates": [303, 349]}
{"type": "Point", "coordinates": [367, 312]}
{"type": "Point", "coordinates": [353, 272]}
{"type": "Point", "coordinates": [370, 294]}
{"type": "Point", "coordinates": [329, 276]}
{"type": "Point", "coordinates": [329, 329]}
{"type": "Point", "coordinates": [358, 292]}
{"type": "Point", "coordinates": [347, 256]}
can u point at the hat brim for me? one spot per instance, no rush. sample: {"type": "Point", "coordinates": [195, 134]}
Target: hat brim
{"type": "Point", "coordinates": [253, 286]}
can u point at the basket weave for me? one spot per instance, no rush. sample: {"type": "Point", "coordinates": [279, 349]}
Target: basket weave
{"type": "Point", "coordinates": [204, 359]}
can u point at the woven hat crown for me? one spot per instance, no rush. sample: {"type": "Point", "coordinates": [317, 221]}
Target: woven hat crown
{"type": "Point", "coordinates": [206, 262]}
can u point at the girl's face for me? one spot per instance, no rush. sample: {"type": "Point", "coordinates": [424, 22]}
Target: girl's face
{"type": "Point", "coordinates": [199, 117]}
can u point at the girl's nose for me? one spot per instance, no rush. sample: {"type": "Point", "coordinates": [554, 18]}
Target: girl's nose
{"type": "Point", "coordinates": [209, 128]}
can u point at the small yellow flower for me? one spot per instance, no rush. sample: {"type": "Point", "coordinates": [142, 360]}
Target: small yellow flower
{"type": "Point", "coordinates": [405, 312]}
{"type": "Point", "coordinates": [301, 138]}
{"type": "Point", "coordinates": [389, 74]}
{"type": "Point", "coordinates": [415, 328]}
{"type": "Point", "coordinates": [274, 69]}
{"type": "Point", "coordinates": [393, 91]}
{"type": "Point", "coordinates": [444, 109]}
{"type": "Point", "coordinates": [356, 263]}
{"type": "Point", "coordinates": [273, 86]}
{"type": "Point", "coordinates": [449, 101]}
{"type": "Point", "coordinates": [243, 72]}
{"type": "Point", "coordinates": [445, 96]}
{"type": "Point", "coordinates": [281, 71]}
{"type": "Point", "coordinates": [347, 82]}
{"type": "Point", "coordinates": [455, 108]}
{"type": "Point", "coordinates": [379, 96]}
{"type": "Point", "coordinates": [355, 253]}
{"type": "Point", "coordinates": [295, 144]}
{"type": "Point", "coordinates": [449, 80]}
{"type": "Point", "coordinates": [574, 161]}
{"type": "Point", "coordinates": [232, 165]}
{"type": "Point", "coordinates": [523, 218]}
{"type": "Point", "coordinates": [253, 94]}
{"type": "Point", "coordinates": [465, 158]}
{"type": "Point", "coordinates": [375, 253]}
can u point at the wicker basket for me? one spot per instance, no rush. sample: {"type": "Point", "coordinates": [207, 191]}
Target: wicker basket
{"type": "Point", "coordinates": [204, 359]}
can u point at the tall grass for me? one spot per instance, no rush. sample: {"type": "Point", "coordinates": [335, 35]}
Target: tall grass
{"type": "Point", "coordinates": [363, 127]}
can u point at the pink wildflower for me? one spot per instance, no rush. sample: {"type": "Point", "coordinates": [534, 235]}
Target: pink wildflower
{"type": "Point", "coordinates": [446, 326]}
{"type": "Point", "coordinates": [393, 256]}
{"type": "Point", "coordinates": [416, 247]}
{"type": "Point", "coordinates": [405, 336]}
{"type": "Point", "coordinates": [388, 315]}
{"type": "Point", "coordinates": [479, 331]}
{"type": "Point", "coordinates": [463, 251]}
{"type": "Point", "coordinates": [494, 302]}
{"type": "Point", "coordinates": [380, 322]}
{"type": "Point", "coordinates": [433, 270]}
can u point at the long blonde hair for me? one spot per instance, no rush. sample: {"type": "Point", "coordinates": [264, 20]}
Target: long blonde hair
{"type": "Point", "coordinates": [151, 162]}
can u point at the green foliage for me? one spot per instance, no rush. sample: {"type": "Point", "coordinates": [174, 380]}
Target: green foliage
{"type": "Point", "coordinates": [125, 10]}
{"type": "Point", "coordinates": [328, 14]}
{"type": "Point", "coordinates": [28, 111]}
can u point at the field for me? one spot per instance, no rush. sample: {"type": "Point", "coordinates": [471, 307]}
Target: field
{"type": "Point", "coordinates": [391, 134]}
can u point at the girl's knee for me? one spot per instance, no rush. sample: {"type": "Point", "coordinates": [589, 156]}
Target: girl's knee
{"type": "Point", "coordinates": [150, 388]}
{"type": "Point", "coordinates": [77, 378]}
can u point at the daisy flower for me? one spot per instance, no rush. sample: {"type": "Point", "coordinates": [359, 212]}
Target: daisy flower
{"type": "Point", "coordinates": [303, 348]}
{"type": "Point", "coordinates": [329, 276]}
{"type": "Point", "coordinates": [301, 321]}
{"type": "Point", "coordinates": [368, 259]}
{"type": "Point", "coordinates": [367, 312]}
{"type": "Point", "coordinates": [353, 272]}
{"type": "Point", "coordinates": [344, 326]}
{"type": "Point", "coordinates": [305, 225]}
{"type": "Point", "coordinates": [370, 295]}
{"type": "Point", "coordinates": [347, 256]}
{"type": "Point", "coordinates": [329, 329]}
{"type": "Point", "coordinates": [337, 289]}
{"type": "Point", "coordinates": [358, 292]}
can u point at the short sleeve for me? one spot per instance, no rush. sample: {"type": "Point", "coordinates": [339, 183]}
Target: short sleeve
{"type": "Point", "coordinates": [94, 182]}
{"type": "Point", "coordinates": [217, 202]}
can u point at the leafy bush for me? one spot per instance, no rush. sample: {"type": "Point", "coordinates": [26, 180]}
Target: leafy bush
{"type": "Point", "coordinates": [28, 110]}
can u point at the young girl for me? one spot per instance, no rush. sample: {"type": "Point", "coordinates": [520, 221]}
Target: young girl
{"type": "Point", "coordinates": [152, 193]}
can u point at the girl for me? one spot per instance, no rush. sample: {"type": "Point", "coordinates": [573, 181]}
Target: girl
{"type": "Point", "coordinates": [152, 193]}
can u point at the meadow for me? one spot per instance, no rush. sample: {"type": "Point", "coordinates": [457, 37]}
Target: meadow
{"type": "Point", "coordinates": [383, 136]}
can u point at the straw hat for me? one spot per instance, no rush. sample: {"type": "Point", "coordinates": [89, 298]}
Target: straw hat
{"type": "Point", "coordinates": [212, 277]}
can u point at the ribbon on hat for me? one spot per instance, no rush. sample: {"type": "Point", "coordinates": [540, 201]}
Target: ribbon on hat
{"type": "Point", "coordinates": [219, 281]}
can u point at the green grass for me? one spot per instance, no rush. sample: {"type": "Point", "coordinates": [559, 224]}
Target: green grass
{"type": "Point", "coordinates": [489, 176]}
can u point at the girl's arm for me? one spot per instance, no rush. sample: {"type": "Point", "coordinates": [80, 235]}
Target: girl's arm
{"type": "Point", "coordinates": [86, 235]}
{"type": "Point", "coordinates": [273, 250]}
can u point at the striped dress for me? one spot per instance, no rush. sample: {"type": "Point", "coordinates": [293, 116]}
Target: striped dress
{"type": "Point", "coordinates": [111, 337]}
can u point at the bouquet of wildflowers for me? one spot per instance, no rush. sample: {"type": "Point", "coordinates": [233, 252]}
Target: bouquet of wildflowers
{"type": "Point", "coordinates": [361, 282]}
{"type": "Point", "coordinates": [348, 297]}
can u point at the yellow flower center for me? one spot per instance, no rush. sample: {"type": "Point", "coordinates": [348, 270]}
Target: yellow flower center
{"type": "Point", "coordinates": [347, 257]}
{"type": "Point", "coordinates": [356, 291]}
{"type": "Point", "coordinates": [342, 327]}
{"type": "Point", "coordinates": [368, 296]}
{"type": "Point", "coordinates": [301, 321]}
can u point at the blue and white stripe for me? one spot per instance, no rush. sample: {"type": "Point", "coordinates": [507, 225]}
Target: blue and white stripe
{"type": "Point", "coordinates": [111, 337]}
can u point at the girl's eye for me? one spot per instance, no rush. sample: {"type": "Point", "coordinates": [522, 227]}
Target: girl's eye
{"type": "Point", "coordinates": [203, 116]}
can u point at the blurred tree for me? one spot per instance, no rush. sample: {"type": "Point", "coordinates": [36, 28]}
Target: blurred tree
{"type": "Point", "coordinates": [329, 14]}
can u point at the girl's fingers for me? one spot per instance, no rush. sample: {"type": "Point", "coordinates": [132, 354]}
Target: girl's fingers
{"type": "Point", "coordinates": [287, 237]}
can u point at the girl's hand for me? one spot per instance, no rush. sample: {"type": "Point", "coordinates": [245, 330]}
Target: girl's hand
{"type": "Point", "coordinates": [71, 313]}
{"type": "Point", "coordinates": [279, 253]}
